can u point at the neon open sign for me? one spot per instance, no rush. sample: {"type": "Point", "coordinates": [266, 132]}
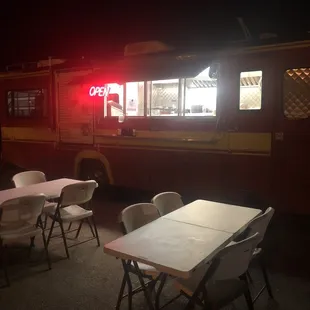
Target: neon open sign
{"type": "Point", "coordinates": [100, 91]}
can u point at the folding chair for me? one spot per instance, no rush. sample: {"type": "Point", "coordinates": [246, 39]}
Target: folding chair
{"type": "Point", "coordinates": [27, 178]}
{"type": "Point", "coordinates": [20, 218]}
{"type": "Point", "coordinates": [221, 281]}
{"type": "Point", "coordinates": [68, 210]}
{"type": "Point", "coordinates": [167, 202]}
{"type": "Point", "coordinates": [132, 218]}
{"type": "Point", "coordinates": [260, 225]}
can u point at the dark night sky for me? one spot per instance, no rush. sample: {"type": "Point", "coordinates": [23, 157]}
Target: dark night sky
{"type": "Point", "coordinates": [94, 28]}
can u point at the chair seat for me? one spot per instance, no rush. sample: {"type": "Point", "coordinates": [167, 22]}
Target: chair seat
{"type": "Point", "coordinates": [220, 293]}
{"type": "Point", "coordinates": [49, 207]}
{"type": "Point", "coordinates": [26, 231]}
{"type": "Point", "coordinates": [145, 269]}
{"type": "Point", "coordinates": [70, 213]}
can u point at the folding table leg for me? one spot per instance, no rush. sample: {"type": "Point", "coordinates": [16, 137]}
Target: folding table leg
{"type": "Point", "coordinates": [121, 292]}
{"type": "Point", "coordinates": [160, 288]}
{"type": "Point", "coordinates": [145, 290]}
{"type": "Point", "coordinates": [96, 230]}
{"type": "Point", "coordinates": [201, 286]}
{"type": "Point", "coordinates": [130, 294]}
{"type": "Point", "coordinates": [145, 287]}
{"type": "Point", "coordinates": [126, 279]}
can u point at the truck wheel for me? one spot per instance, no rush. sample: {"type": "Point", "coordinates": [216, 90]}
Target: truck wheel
{"type": "Point", "coordinates": [91, 169]}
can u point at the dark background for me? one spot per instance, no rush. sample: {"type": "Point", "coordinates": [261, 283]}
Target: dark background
{"type": "Point", "coordinates": [36, 30]}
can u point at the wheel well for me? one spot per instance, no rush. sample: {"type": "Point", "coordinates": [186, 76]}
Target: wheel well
{"type": "Point", "coordinates": [94, 169]}
{"type": "Point", "coordinates": [92, 160]}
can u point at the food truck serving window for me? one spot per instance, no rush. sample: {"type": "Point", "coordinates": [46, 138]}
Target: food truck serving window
{"type": "Point", "coordinates": [196, 96]}
{"type": "Point", "coordinates": [190, 97]}
{"type": "Point", "coordinates": [126, 99]}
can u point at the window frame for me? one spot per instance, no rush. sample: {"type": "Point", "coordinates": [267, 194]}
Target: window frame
{"type": "Point", "coordinates": [25, 117]}
{"type": "Point", "coordinates": [282, 93]}
{"type": "Point", "coordinates": [144, 100]}
{"type": "Point", "coordinates": [251, 69]}
{"type": "Point", "coordinates": [211, 117]}
{"type": "Point", "coordinates": [158, 116]}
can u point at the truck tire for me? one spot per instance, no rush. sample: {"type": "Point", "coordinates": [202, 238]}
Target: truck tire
{"type": "Point", "coordinates": [93, 169]}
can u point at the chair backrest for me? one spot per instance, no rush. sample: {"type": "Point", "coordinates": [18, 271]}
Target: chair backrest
{"type": "Point", "coordinates": [18, 211]}
{"type": "Point", "coordinates": [77, 193]}
{"type": "Point", "coordinates": [260, 224]}
{"type": "Point", "coordinates": [234, 259]}
{"type": "Point", "coordinates": [137, 215]}
{"type": "Point", "coordinates": [28, 178]}
{"type": "Point", "coordinates": [167, 202]}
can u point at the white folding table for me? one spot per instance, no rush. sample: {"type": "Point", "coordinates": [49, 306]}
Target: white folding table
{"type": "Point", "coordinates": [183, 240]}
{"type": "Point", "coordinates": [215, 215]}
{"type": "Point", "coordinates": [51, 189]}
{"type": "Point", "coordinates": [171, 247]}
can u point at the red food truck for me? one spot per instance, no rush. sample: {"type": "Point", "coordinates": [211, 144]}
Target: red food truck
{"type": "Point", "coordinates": [227, 124]}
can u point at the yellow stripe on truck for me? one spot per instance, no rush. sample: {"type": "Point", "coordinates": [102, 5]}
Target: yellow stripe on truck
{"type": "Point", "coordinates": [28, 134]}
{"type": "Point", "coordinates": [224, 142]}
{"type": "Point", "coordinates": [254, 143]}
{"type": "Point", "coordinates": [250, 142]}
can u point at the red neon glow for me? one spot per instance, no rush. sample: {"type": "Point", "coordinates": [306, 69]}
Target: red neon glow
{"type": "Point", "coordinates": [100, 91]}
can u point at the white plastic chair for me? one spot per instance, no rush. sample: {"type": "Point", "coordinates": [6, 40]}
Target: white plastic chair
{"type": "Point", "coordinates": [222, 280]}
{"type": "Point", "coordinates": [138, 215]}
{"type": "Point", "coordinates": [260, 225]}
{"type": "Point", "coordinates": [28, 178]}
{"type": "Point", "coordinates": [132, 218]}
{"type": "Point", "coordinates": [69, 210]}
{"type": "Point", "coordinates": [167, 202]}
{"type": "Point", "coordinates": [20, 218]}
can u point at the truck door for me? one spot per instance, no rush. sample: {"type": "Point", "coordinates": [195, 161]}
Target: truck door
{"type": "Point", "coordinates": [291, 138]}
{"type": "Point", "coordinates": [248, 121]}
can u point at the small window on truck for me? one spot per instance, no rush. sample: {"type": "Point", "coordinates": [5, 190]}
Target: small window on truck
{"type": "Point", "coordinates": [127, 99]}
{"type": "Point", "coordinates": [296, 93]}
{"type": "Point", "coordinates": [27, 103]}
{"type": "Point", "coordinates": [250, 96]}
